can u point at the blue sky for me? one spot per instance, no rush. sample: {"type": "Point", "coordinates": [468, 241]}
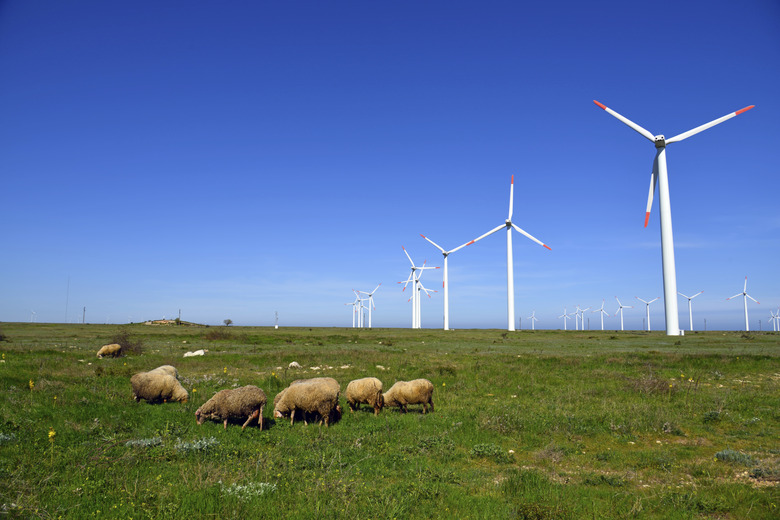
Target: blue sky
{"type": "Point", "coordinates": [236, 160]}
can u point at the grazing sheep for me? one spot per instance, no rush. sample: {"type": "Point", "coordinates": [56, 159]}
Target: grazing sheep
{"type": "Point", "coordinates": [165, 369]}
{"type": "Point", "coordinates": [367, 390]}
{"type": "Point", "coordinates": [403, 393]}
{"type": "Point", "coordinates": [239, 403]}
{"type": "Point", "coordinates": [158, 385]}
{"type": "Point", "coordinates": [319, 395]}
{"type": "Point", "coordinates": [112, 350]}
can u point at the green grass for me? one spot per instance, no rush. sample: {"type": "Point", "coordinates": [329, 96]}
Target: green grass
{"type": "Point", "coordinates": [528, 425]}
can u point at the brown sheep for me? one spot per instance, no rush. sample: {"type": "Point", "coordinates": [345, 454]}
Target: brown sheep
{"type": "Point", "coordinates": [367, 390]}
{"type": "Point", "coordinates": [158, 385]}
{"type": "Point", "coordinates": [403, 393]}
{"type": "Point", "coordinates": [239, 403]}
{"type": "Point", "coordinates": [319, 395]}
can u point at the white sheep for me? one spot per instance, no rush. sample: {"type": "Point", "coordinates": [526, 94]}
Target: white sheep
{"type": "Point", "coordinates": [403, 393]}
{"type": "Point", "coordinates": [160, 384]}
{"type": "Point", "coordinates": [367, 390]}
{"type": "Point", "coordinates": [318, 395]}
{"type": "Point", "coordinates": [246, 402]}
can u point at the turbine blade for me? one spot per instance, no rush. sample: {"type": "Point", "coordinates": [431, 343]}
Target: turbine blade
{"type": "Point", "coordinates": [695, 295]}
{"type": "Point", "coordinates": [511, 197]}
{"type": "Point", "coordinates": [732, 297]}
{"type": "Point", "coordinates": [486, 234]}
{"type": "Point", "coordinates": [437, 246]}
{"type": "Point", "coordinates": [627, 121]}
{"type": "Point", "coordinates": [531, 237]}
{"type": "Point", "coordinates": [745, 288]}
{"type": "Point", "coordinates": [407, 256]}
{"type": "Point", "coordinates": [747, 295]}
{"type": "Point", "coordinates": [705, 126]}
{"type": "Point", "coordinates": [377, 287]}
{"type": "Point", "coordinates": [651, 192]}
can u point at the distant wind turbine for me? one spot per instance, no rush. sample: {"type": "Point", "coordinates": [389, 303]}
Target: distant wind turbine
{"type": "Point", "coordinates": [620, 310]}
{"type": "Point", "coordinates": [602, 313]}
{"type": "Point", "coordinates": [445, 282]}
{"type": "Point", "coordinates": [565, 317]}
{"type": "Point", "coordinates": [533, 318]}
{"type": "Point", "coordinates": [647, 309]}
{"type": "Point", "coordinates": [690, 312]}
{"type": "Point", "coordinates": [371, 305]}
{"type": "Point", "coordinates": [659, 176]}
{"type": "Point", "coordinates": [510, 278]}
{"type": "Point", "coordinates": [745, 297]}
{"type": "Point", "coordinates": [414, 278]}
{"type": "Point", "coordinates": [774, 319]}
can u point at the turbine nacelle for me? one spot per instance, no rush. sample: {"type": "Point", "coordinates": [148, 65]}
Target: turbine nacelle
{"type": "Point", "coordinates": [660, 141]}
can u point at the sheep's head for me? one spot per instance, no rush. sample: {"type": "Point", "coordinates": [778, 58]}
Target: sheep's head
{"type": "Point", "coordinates": [199, 417]}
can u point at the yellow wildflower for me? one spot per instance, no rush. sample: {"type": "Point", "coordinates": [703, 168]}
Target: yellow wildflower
{"type": "Point", "coordinates": [52, 434]}
{"type": "Point", "coordinates": [32, 385]}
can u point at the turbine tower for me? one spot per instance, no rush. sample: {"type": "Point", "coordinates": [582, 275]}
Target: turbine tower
{"type": "Point", "coordinates": [647, 309]}
{"type": "Point", "coordinates": [445, 282]}
{"type": "Point", "coordinates": [510, 278]}
{"type": "Point", "coordinates": [601, 312]}
{"type": "Point", "coordinates": [659, 176]}
{"type": "Point", "coordinates": [745, 297]}
{"type": "Point", "coordinates": [620, 310]}
{"type": "Point", "coordinates": [690, 313]}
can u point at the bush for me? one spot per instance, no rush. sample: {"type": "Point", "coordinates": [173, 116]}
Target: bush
{"type": "Point", "coordinates": [129, 344]}
{"type": "Point", "coordinates": [735, 457]}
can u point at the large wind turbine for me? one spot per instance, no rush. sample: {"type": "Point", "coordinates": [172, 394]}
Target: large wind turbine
{"type": "Point", "coordinates": [745, 296]}
{"type": "Point", "coordinates": [659, 176]}
{"type": "Point", "coordinates": [510, 278]}
{"type": "Point", "coordinates": [445, 282]}
{"type": "Point", "coordinates": [620, 310]}
{"type": "Point", "coordinates": [601, 312]}
{"type": "Point", "coordinates": [647, 309]}
{"type": "Point", "coordinates": [370, 302]}
{"type": "Point", "coordinates": [690, 313]}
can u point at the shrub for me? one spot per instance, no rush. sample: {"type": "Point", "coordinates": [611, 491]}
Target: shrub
{"type": "Point", "coordinates": [218, 334]}
{"type": "Point", "coordinates": [129, 344]}
{"type": "Point", "coordinates": [490, 451]}
{"type": "Point", "coordinates": [248, 491]}
{"type": "Point", "coordinates": [735, 457]}
{"type": "Point", "coordinates": [145, 443]}
{"type": "Point", "coordinates": [199, 445]}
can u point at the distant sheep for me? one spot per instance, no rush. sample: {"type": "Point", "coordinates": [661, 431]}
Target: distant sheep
{"type": "Point", "coordinates": [242, 403]}
{"type": "Point", "coordinates": [200, 352]}
{"type": "Point", "coordinates": [319, 395]}
{"type": "Point", "coordinates": [158, 385]}
{"type": "Point", "coordinates": [112, 350]}
{"type": "Point", "coordinates": [367, 390]}
{"type": "Point", "coordinates": [403, 393]}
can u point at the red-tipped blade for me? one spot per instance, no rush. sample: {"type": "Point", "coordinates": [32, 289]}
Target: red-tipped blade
{"type": "Point", "coordinates": [600, 105]}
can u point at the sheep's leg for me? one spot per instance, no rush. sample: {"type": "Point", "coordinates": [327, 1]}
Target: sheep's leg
{"type": "Point", "coordinates": [260, 418]}
{"type": "Point", "coordinates": [425, 408]}
{"type": "Point", "coordinates": [224, 424]}
{"type": "Point", "coordinates": [292, 416]}
{"type": "Point", "coordinates": [253, 415]}
{"type": "Point", "coordinates": [430, 402]}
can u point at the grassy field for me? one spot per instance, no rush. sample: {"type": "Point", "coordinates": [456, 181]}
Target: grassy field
{"type": "Point", "coordinates": [528, 425]}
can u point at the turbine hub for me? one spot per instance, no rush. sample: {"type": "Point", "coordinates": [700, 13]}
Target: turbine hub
{"type": "Point", "coordinates": [660, 141]}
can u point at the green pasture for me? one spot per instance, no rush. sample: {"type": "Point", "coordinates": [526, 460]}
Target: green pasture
{"type": "Point", "coordinates": [527, 425]}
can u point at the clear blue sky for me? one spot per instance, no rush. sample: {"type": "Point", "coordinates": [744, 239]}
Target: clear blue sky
{"type": "Point", "coordinates": [232, 160]}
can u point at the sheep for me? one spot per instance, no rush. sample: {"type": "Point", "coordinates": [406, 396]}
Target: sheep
{"type": "Point", "coordinates": [200, 352]}
{"type": "Point", "coordinates": [165, 369]}
{"type": "Point", "coordinates": [319, 395]}
{"type": "Point", "coordinates": [366, 390]}
{"type": "Point", "coordinates": [112, 350]}
{"type": "Point", "coordinates": [239, 403]}
{"type": "Point", "coordinates": [160, 384]}
{"type": "Point", "coordinates": [403, 393]}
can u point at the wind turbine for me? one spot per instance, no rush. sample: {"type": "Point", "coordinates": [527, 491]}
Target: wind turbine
{"type": "Point", "coordinates": [582, 317]}
{"type": "Point", "coordinates": [775, 319]}
{"type": "Point", "coordinates": [659, 176]}
{"type": "Point", "coordinates": [445, 282]}
{"type": "Point", "coordinates": [745, 296]}
{"type": "Point", "coordinates": [620, 310]}
{"type": "Point", "coordinates": [565, 317]}
{"type": "Point", "coordinates": [647, 309]}
{"type": "Point", "coordinates": [690, 313]}
{"type": "Point", "coordinates": [370, 302]}
{"type": "Point", "coordinates": [533, 318]}
{"type": "Point", "coordinates": [415, 279]}
{"type": "Point", "coordinates": [510, 278]}
{"type": "Point", "coordinates": [601, 312]}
